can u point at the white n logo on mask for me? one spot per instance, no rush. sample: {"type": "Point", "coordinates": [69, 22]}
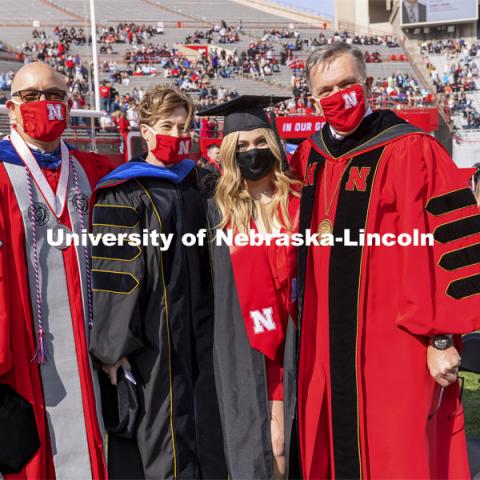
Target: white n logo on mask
{"type": "Point", "coordinates": [262, 320]}
{"type": "Point", "coordinates": [350, 100]}
{"type": "Point", "coordinates": [55, 111]}
{"type": "Point", "coordinates": [184, 147]}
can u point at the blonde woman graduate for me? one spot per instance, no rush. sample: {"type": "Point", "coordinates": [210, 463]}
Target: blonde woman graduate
{"type": "Point", "coordinates": [255, 292]}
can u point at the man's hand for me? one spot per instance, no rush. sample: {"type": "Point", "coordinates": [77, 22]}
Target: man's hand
{"type": "Point", "coordinates": [443, 365]}
{"type": "Point", "coordinates": [111, 370]}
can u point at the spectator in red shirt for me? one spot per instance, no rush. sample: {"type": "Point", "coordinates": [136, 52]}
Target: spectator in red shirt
{"type": "Point", "coordinates": [123, 126]}
{"type": "Point", "coordinates": [105, 96]}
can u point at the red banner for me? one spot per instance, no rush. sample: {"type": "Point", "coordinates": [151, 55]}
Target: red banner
{"type": "Point", "coordinates": [298, 127]}
{"type": "Point", "coordinates": [303, 126]}
{"type": "Point", "coordinates": [198, 48]}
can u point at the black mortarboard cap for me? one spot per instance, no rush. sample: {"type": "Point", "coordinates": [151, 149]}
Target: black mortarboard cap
{"type": "Point", "coordinates": [120, 404]}
{"type": "Point", "coordinates": [244, 113]}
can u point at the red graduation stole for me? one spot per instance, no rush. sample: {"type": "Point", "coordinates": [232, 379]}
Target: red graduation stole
{"type": "Point", "coordinates": [265, 277]}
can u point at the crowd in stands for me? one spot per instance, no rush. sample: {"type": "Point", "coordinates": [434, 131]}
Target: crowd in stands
{"type": "Point", "coordinates": [64, 35]}
{"type": "Point", "coordinates": [222, 33]}
{"type": "Point", "coordinates": [199, 73]}
{"type": "Point", "coordinates": [148, 54]}
{"type": "Point", "coordinates": [258, 61]}
{"type": "Point", "coordinates": [400, 89]}
{"type": "Point", "coordinates": [373, 57]}
{"type": "Point", "coordinates": [55, 51]}
{"type": "Point", "coordinates": [6, 80]}
{"type": "Point", "coordinates": [451, 46]}
{"type": "Point", "coordinates": [296, 42]}
{"type": "Point", "coordinates": [459, 76]}
{"type": "Point", "coordinates": [129, 33]}
{"type": "Point", "coordinates": [397, 89]}
{"type": "Point", "coordinates": [120, 110]}
{"type": "Point", "coordinates": [193, 74]}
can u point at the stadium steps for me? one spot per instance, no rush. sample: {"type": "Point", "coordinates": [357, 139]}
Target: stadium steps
{"type": "Point", "coordinates": [23, 12]}
{"type": "Point", "coordinates": [6, 66]}
{"type": "Point", "coordinates": [242, 85]}
{"type": "Point", "coordinates": [137, 11]}
{"type": "Point", "coordinates": [63, 10]}
{"type": "Point", "coordinates": [253, 87]}
{"type": "Point", "coordinates": [217, 10]}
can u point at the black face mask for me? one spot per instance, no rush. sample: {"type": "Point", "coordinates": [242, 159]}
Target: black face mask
{"type": "Point", "coordinates": [256, 163]}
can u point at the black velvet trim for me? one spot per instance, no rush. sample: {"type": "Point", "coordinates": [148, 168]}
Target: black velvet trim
{"type": "Point", "coordinates": [124, 253]}
{"type": "Point", "coordinates": [375, 128]}
{"type": "Point", "coordinates": [464, 287]}
{"type": "Point", "coordinates": [306, 209]}
{"type": "Point", "coordinates": [315, 161]}
{"type": "Point", "coordinates": [458, 229]}
{"type": "Point", "coordinates": [114, 216]}
{"type": "Point", "coordinates": [450, 202]}
{"type": "Point", "coordinates": [113, 282]}
{"type": "Point", "coordinates": [344, 284]}
{"type": "Point", "coordinates": [461, 258]}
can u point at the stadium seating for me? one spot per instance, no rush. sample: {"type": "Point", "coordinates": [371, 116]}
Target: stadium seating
{"type": "Point", "coordinates": [181, 20]}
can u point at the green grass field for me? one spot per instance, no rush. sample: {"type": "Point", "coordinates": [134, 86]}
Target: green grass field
{"type": "Point", "coordinates": [471, 404]}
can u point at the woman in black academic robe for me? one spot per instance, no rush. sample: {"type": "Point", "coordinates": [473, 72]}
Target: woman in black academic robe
{"type": "Point", "coordinates": [153, 308]}
{"type": "Point", "coordinates": [255, 289]}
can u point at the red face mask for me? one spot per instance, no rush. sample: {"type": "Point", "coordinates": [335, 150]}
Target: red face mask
{"type": "Point", "coordinates": [345, 109]}
{"type": "Point", "coordinates": [171, 150]}
{"type": "Point", "coordinates": [44, 120]}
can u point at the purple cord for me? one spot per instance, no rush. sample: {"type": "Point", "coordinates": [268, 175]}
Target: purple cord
{"type": "Point", "coordinates": [85, 254]}
{"type": "Point", "coordinates": [40, 355]}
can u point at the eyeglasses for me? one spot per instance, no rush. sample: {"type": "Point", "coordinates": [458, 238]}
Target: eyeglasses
{"type": "Point", "coordinates": [33, 95]}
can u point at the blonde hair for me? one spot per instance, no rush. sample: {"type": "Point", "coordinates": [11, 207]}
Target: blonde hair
{"type": "Point", "coordinates": [162, 100]}
{"type": "Point", "coordinates": [237, 207]}
{"type": "Point", "coordinates": [477, 193]}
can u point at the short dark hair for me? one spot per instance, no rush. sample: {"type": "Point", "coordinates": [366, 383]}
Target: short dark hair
{"type": "Point", "coordinates": [161, 100]}
{"type": "Point", "coordinates": [332, 51]}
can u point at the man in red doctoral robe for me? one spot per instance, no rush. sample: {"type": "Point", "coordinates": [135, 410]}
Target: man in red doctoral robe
{"type": "Point", "coordinates": [50, 421]}
{"type": "Point", "coordinates": [372, 401]}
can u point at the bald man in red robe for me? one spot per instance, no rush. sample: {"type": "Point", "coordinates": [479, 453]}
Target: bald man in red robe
{"type": "Point", "coordinates": [51, 423]}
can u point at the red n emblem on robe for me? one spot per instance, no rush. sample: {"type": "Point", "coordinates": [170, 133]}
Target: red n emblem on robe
{"type": "Point", "coordinates": [310, 175]}
{"type": "Point", "coordinates": [357, 179]}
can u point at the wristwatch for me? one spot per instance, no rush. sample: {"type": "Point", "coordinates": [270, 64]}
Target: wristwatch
{"type": "Point", "coordinates": [441, 342]}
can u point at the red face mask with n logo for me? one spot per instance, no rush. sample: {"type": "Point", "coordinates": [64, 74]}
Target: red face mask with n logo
{"type": "Point", "coordinates": [345, 109]}
{"type": "Point", "coordinates": [44, 120]}
{"type": "Point", "coordinates": [171, 150]}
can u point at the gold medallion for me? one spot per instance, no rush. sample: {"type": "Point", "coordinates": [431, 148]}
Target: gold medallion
{"type": "Point", "coordinates": [325, 227]}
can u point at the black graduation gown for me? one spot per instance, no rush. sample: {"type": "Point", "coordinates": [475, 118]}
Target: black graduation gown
{"type": "Point", "coordinates": [208, 178]}
{"type": "Point", "coordinates": [240, 376]}
{"type": "Point", "coordinates": [156, 308]}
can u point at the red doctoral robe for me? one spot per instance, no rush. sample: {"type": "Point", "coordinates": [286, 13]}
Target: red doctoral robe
{"type": "Point", "coordinates": [17, 325]}
{"type": "Point", "coordinates": [365, 394]}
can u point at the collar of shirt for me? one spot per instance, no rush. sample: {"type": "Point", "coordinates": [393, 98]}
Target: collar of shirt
{"type": "Point", "coordinates": [337, 136]}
